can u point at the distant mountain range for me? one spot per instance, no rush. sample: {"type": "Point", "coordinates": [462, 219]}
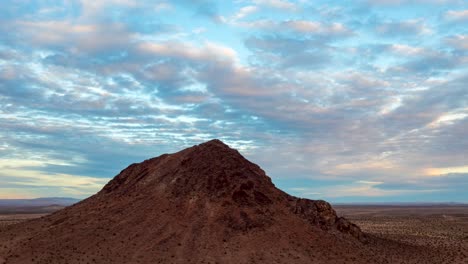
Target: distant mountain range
{"type": "Point", "coordinates": [38, 205]}
{"type": "Point", "coordinates": [402, 204]}
{"type": "Point", "coordinates": [65, 201]}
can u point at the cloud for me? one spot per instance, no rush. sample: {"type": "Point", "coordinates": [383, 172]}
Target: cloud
{"type": "Point", "coordinates": [303, 26]}
{"type": "Point", "coordinates": [360, 82]}
{"type": "Point", "coordinates": [16, 175]}
{"type": "Point", "coordinates": [433, 63]}
{"type": "Point", "coordinates": [412, 27]}
{"type": "Point", "coordinates": [459, 42]}
{"type": "Point", "coordinates": [300, 27]}
{"type": "Point", "coordinates": [244, 12]}
{"type": "Point", "coordinates": [449, 170]}
{"type": "Point", "coordinates": [209, 52]}
{"type": "Point", "coordinates": [412, 2]}
{"type": "Point", "coordinates": [294, 43]}
{"type": "Point", "coordinates": [386, 2]}
{"type": "Point", "coordinates": [75, 38]}
{"type": "Point", "coordinates": [277, 4]}
{"type": "Point", "coordinates": [407, 50]}
{"type": "Point", "coordinates": [456, 15]}
{"type": "Point", "coordinates": [359, 101]}
{"type": "Point", "coordinates": [288, 52]}
{"type": "Point", "coordinates": [419, 60]}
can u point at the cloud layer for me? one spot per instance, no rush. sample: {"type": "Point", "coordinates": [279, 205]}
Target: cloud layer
{"type": "Point", "coordinates": [342, 102]}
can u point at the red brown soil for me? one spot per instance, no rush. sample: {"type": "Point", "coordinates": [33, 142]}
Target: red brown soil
{"type": "Point", "coordinates": [204, 204]}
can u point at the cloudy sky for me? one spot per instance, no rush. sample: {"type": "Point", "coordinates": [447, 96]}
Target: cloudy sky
{"type": "Point", "coordinates": [349, 101]}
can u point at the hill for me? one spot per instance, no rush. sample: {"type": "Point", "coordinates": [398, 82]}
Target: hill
{"type": "Point", "coordinates": [204, 204]}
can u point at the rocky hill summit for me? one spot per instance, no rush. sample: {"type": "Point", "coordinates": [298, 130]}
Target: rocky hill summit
{"type": "Point", "coordinates": [215, 173]}
{"type": "Point", "coordinates": [204, 204]}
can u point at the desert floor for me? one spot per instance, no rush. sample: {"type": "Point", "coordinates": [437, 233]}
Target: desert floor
{"type": "Point", "coordinates": [435, 226]}
{"type": "Point", "coordinates": [8, 219]}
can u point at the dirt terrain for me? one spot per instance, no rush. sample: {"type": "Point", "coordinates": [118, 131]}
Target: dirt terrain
{"type": "Point", "coordinates": [436, 227]}
{"type": "Point", "coordinates": [204, 204]}
{"type": "Point", "coordinates": [7, 219]}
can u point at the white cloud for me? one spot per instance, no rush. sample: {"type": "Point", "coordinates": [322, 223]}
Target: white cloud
{"type": "Point", "coordinates": [278, 4]}
{"type": "Point", "coordinates": [449, 118]}
{"type": "Point", "coordinates": [304, 26]}
{"type": "Point", "coordinates": [299, 26]}
{"type": "Point", "coordinates": [75, 37]}
{"type": "Point", "coordinates": [458, 42]}
{"type": "Point", "coordinates": [401, 2]}
{"type": "Point", "coordinates": [457, 14]}
{"type": "Point", "coordinates": [407, 50]}
{"type": "Point", "coordinates": [244, 11]}
{"type": "Point", "coordinates": [209, 51]}
{"type": "Point", "coordinates": [443, 172]}
{"type": "Point", "coordinates": [92, 9]}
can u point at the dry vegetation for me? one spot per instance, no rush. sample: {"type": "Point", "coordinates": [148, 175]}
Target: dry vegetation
{"type": "Point", "coordinates": [441, 228]}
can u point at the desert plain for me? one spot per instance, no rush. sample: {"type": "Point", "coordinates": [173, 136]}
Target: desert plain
{"type": "Point", "coordinates": [442, 227]}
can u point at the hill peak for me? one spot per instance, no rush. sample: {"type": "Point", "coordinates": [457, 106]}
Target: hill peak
{"type": "Point", "coordinates": [214, 146]}
{"type": "Point", "coordinates": [214, 142]}
{"type": "Point", "coordinates": [211, 167]}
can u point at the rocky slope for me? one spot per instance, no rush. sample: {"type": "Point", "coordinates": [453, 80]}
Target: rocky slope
{"type": "Point", "coordinates": [204, 204]}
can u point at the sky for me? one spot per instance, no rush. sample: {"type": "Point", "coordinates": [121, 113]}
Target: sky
{"type": "Point", "coordinates": [347, 101]}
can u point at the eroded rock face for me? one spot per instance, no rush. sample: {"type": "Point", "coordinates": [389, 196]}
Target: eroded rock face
{"type": "Point", "coordinates": [319, 213]}
{"type": "Point", "coordinates": [322, 214]}
{"type": "Point", "coordinates": [345, 226]}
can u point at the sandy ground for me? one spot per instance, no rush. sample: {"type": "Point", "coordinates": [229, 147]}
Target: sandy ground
{"type": "Point", "coordinates": [8, 219]}
{"type": "Point", "coordinates": [439, 227]}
